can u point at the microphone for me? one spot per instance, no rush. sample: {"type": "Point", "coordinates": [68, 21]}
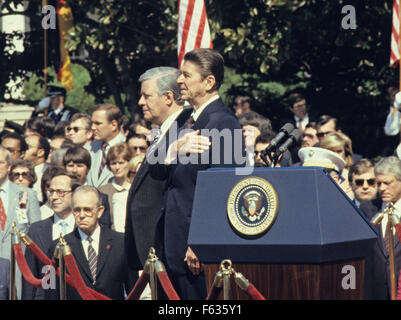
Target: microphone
{"type": "Point", "coordinates": [284, 131]}
{"type": "Point", "coordinates": [294, 136]}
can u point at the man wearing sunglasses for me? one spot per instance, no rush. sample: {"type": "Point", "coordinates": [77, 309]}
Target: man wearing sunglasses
{"type": "Point", "coordinates": [79, 130]}
{"type": "Point", "coordinates": [363, 181]}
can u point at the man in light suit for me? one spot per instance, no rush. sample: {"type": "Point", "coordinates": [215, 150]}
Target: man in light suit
{"type": "Point", "coordinates": [161, 104]}
{"type": "Point", "coordinates": [19, 205]}
{"type": "Point", "coordinates": [4, 279]}
{"type": "Point", "coordinates": [106, 127]}
{"type": "Point", "coordinates": [201, 77]}
{"type": "Point", "coordinates": [44, 232]}
{"type": "Point", "coordinates": [98, 251]}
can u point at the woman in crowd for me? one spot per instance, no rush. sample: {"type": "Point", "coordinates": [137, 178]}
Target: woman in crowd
{"type": "Point", "coordinates": [117, 161]}
{"type": "Point", "coordinates": [22, 172]}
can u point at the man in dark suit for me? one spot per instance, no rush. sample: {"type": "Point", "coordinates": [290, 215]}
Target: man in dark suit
{"type": "Point", "coordinates": [44, 232]}
{"type": "Point", "coordinates": [201, 77]}
{"type": "Point", "coordinates": [162, 106]}
{"type": "Point", "coordinates": [377, 281]}
{"type": "Point", "coordinates": [98, 251]}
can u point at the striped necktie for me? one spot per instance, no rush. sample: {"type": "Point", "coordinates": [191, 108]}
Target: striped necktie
{"type": "Point", "coordinates": [104, 158]}
{"type": "Point", "coordinates": [92, 259]}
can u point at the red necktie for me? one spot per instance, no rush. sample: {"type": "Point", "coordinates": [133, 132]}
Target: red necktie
{"type": "Point", "coordinates": [3, 217]}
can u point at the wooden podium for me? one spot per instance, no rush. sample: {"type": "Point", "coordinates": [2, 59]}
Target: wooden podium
{"type": "Point", "coordinates": [315, 248]}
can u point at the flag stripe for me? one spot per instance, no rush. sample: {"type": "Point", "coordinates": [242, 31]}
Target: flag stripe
{"type": "Point", "coordinates": [193, 27]}
{"type": "Point", "coordinates": [186, 26]}
{"type": "Point", "coordinates": [395, 39]}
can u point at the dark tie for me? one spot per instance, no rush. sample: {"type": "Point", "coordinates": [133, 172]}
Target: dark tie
{"type": "Point", "coordinates": [189, 123]}
{"type": "Point", "coordinates": [92, 259]}
{"type": "Point", "coordinates": [3, 217]}
{"type": "Point", "coordinates": [104, 156]}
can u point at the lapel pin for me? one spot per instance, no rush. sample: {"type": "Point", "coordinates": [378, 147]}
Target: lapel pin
{"type": "Point", "coordinates": [108, 246]}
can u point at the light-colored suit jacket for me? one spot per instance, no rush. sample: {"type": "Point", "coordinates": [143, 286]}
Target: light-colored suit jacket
{"type": "Point", "coordinates": [95, 150]}
{"type": "Point", "coordinates": [32, 214]}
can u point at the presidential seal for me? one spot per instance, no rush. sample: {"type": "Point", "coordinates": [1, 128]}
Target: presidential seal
{"type": "Point", "coordinates": [252, 206]}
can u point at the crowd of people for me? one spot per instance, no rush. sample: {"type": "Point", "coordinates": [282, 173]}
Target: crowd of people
{"type": "Point", "coordinates": [89, 178]}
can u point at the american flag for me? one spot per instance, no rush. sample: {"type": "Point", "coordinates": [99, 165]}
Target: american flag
{"type": "Point", "coordinates": [193, 28]}
{"type": "Point", "coordinates": [395, 34]}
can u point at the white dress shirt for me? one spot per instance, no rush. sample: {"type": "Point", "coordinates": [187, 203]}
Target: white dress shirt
{"type": "Point", "coordinates": [304, 121]}
{"type": "Point", "coordinates": [392, 125]}
{"type": "Point", "coordinates": [95, 243]}
{"type": "Point", "coordinates": [119, 203]}
{"type": "Point", "coordinates": [57, 228]}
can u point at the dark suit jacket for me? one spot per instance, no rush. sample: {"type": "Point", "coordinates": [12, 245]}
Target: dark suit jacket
{"type": "Point", "coordinates": [4, 278]}
{"type": "Point", "coordinates": [112, 275]}
{"type": "Point", "coordinates": [182, 180]}
{"type": "Point", "coordinates": [377, 270]}
{"type": "Point", "coordinates": [143, 209]}
{"type": "Point", "coordinates": [41, 233]}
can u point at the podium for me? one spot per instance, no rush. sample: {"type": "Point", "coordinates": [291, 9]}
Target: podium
{"type": "Point", "coordinates": [314, 248]}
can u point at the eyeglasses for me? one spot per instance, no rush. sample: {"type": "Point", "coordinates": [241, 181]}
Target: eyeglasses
{"type": "Point", "coordinates": [75, 129]}
{"type": "Point", "coordinates": [88, 211]}
{"type": "Point", "coordinates": [16, 175]}
{"type": "Point", "coordinates": [361, 182]}
{"type": "Point", "coordinates": [139, 148]}
{"type": "Point", "coordinates": [323, 134]}
{"type": "Point", "coordinates": [59, 193]}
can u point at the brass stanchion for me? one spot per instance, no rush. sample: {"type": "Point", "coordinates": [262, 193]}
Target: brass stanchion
{"type": "Point", "coordinates": [14, 240]}
{"type": "Point", "coordinates": [226, 269]}
{"type": "Point", "coordinates": [150, 269]}
{"type": "Point", "coordinates": [62, 280]}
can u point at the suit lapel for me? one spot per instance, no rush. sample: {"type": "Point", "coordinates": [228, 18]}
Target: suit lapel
{"type": "Point", "coordinates": [105, 248]}
{"type": "Point", "coordinates": [79, 254]}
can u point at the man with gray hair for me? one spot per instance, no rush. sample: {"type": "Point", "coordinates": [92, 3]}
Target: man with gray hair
{"type": "Point", "coordinates": [161, 104]}
{"type": "Point", "coordinates": [377, 281]}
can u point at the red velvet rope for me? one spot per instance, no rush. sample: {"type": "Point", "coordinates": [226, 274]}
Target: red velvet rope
{"type": "Point", "coordinates": [140, 285]}
{"type": "Point", "coordinates": [167, 286]}
{"type": "Point", "coordinates": [23, 266]}
{"type": "Point", "coordinates": [46, 261]}
{"type": "Point", "coordinates": [254, 293]}
{"type": "Point", "coordinates": [214, 293]}
{"type": "Point", "coordinates": [79, 283]}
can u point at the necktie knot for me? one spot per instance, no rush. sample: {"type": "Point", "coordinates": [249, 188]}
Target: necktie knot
{"type": "Point", "coordinates": [90, 239]}
{"type": "Point", "coordinates": [189, 123]}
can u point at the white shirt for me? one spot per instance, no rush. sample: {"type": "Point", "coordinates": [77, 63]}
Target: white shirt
{"type": "Point", "coordinates": [39, 169]}
{"type": "Point", "coordinates": [95, 243]}
{"type": "Point", "coordinates": [4, 194]}
{"type": "Point", "coordinates": [397, 211]}
{"type": "Point", "coordinates": [57, 228]}
{"type": "Point", "coordinates": [304, 121]}
{"type": "Point", "coordinates": [392, 125]}
{"type": "Point", "coordinates": [45, 211]}
{"type": "Point", "coordinates": [198, 112]}
{"type": "Point", "coordinates": [119, 203]}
